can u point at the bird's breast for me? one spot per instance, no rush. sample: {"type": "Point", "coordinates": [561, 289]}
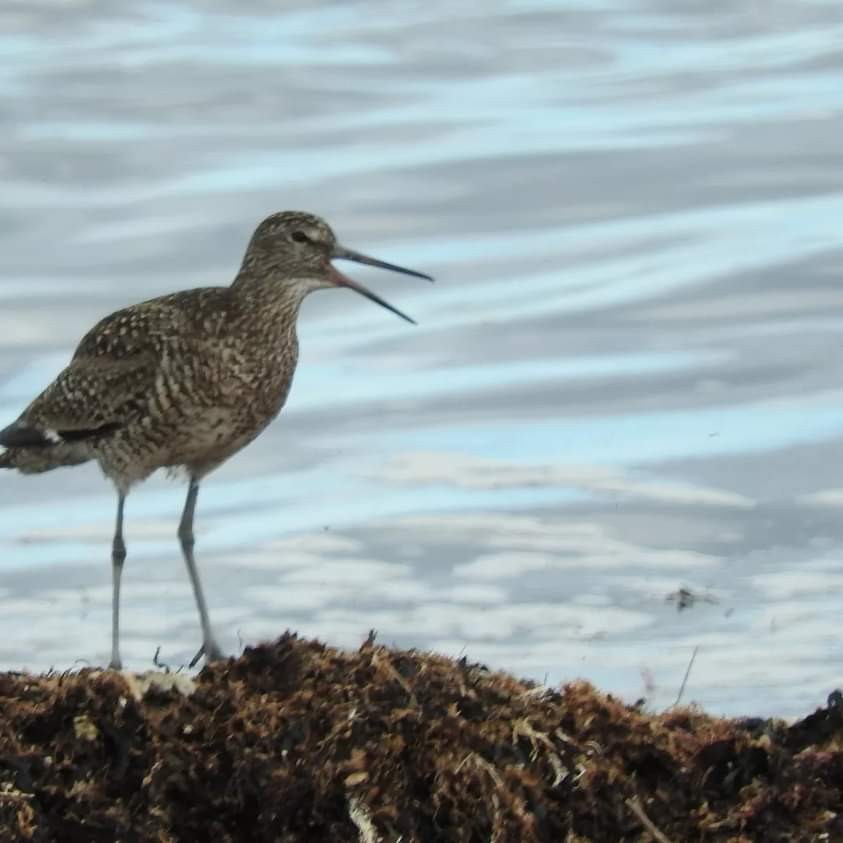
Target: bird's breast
{"type": "Point", "coordinates": [218, 407]}
{"type": "Point", "coordinates": [257, 377]}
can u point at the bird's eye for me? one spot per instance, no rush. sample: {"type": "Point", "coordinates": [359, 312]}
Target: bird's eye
{"type": "Point", "coordinates": [300, 237]}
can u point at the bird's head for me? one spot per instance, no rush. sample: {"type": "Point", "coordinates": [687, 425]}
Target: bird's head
{"type": "Point", "coordinates": [298, 249]}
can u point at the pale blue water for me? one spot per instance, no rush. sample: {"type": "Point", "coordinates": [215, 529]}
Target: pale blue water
{"type": "Point", "coordinates": [627, 378]}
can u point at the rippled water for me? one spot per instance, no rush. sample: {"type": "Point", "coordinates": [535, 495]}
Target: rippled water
{"type": "Point", "coordinates": [627, 379]}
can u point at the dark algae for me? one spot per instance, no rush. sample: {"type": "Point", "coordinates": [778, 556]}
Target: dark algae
{"type": "Point", "coordinates": [297, 741]}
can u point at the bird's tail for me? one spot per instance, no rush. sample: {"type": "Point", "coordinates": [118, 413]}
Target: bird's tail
{"type": "Point", "coordinates": [45, 458]}
{"type": "Point", "coordinates": [32, 450]}
{"type": "Point", "coordinates": [21, 450]}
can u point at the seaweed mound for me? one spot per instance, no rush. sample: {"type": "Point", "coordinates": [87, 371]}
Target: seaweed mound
{"type": "Point", "coordinates": [296, 741]}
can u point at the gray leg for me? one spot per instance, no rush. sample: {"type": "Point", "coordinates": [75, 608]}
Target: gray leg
{"type": "Point", "coordinates": [118, 557]}
{"type": "Point", "coordinates": [209, 644]}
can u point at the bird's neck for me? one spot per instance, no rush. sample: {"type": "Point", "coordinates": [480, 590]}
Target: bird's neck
{"type": "Point", "coordinates": [266, 295]}
{"type": "Point", "coordinates": [269, 287]}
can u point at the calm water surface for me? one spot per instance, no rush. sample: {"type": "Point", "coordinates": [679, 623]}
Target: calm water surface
{"type": "Point", "coordinates": [627, 379]}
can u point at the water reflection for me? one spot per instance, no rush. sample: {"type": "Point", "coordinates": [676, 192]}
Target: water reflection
{"type": "Point", "coordinates": [626, 381]}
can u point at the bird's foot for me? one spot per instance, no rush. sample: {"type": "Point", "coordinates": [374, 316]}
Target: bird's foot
{"type": "Point", "coordinates": [211, 651]}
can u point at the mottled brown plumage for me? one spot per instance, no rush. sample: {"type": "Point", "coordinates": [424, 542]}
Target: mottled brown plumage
{"type": "Point", "coordinates": [184, 380]}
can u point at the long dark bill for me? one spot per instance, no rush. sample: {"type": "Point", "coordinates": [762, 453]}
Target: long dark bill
{"type": "Point", "coordinates": [342, 253]}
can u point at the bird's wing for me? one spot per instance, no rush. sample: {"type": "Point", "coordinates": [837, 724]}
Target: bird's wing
{"type": "Point", "coordinates": [89, 398]}
{"type": "Point", "coordinates": [111, 374]}
{"type": "Point", "coordinates": [115, 367]}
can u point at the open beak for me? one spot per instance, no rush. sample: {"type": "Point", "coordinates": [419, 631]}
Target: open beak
{"type": "Point", "coordinates": [341, 253]}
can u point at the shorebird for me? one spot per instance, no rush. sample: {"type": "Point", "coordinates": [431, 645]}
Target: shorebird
{"type": "Point", "coordinates": [185, 381]}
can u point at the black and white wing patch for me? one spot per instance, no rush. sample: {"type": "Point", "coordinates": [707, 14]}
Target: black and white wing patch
{"type": "Point", "coordinates": [22, 435]}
